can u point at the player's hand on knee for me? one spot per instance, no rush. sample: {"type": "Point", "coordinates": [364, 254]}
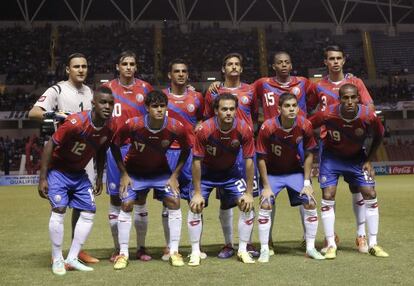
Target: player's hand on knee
{"type": "Point", "coordinates": [369, 172]}
{"type": "Point", "coordinates": [308, 192]}
{"type": "Point", "coordinates": [197, 203]}
{"type": "Point", "coordinates": [97, 190]}
{"type": "Point", "coordinates": [246, 202]}
{"type": "Point", "coordinates": [173, 184]}
{"type": "Point", "coordinates": [266, 195]}
{"type": "Point", "coordinates": [43, 188]}
{"type": "Point", "coordinates": [124, 183]}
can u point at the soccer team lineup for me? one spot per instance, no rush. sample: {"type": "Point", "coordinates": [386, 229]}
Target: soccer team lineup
{"type": "Point", "coordinates": [241, 144]}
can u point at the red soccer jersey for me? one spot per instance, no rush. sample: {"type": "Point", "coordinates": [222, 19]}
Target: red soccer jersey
{"type": "Point", "coordinates": [345, 138]}
{"type": "Point", "coordinates": [129, 100]}
{"type": "Point", "coordinates": [268, 90]}
{"type": "Point", "coordinates": [78, 141]}
{"type": "Point", "coordinates": [219, 149]}
{"type": "Point", "coordinates": [327, 93]}
{"type": "Point", "coordinates": [247, 102]}
{"type": "Point", "coordinates": [284, 151]}
{"type": "Point", "coordinates": [147, 154]}
{"type": "Point", "coordinates": [187, 108]}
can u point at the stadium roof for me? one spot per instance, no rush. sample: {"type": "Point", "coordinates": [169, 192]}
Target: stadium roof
{"type": "Point", "coordinates": [236, 11]}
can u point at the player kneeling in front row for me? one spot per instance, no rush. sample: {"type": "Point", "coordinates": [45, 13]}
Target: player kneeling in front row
{"type": "Point", "coordinates": [217, 144]}
{"type": "Point", "coordinates": [145, 166]}
{"type": "Point", "coordinates": [346, 128]}
{"type": "Point", "coordinates": [284, 149]}
{"type": "Point", "coordinates": [63, 179]}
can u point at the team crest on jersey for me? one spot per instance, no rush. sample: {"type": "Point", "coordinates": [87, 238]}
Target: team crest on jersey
{"type": "Point", "coordinates": [103, 140]}
{"type": "Point", "coordinates": [190, 107]}
{"type": "Point", "coordinates": [165, 143]}
{"type": "Point", "coordinates": [245, 100]}
{"type": "Point", "coordinates": [295, 90]}
{"type": "Point", "coordinates": [139, 97]}
{"type": "Point", "coordinates": [299, 139]}
{"type": "Point", "coordinates": [235, 143]}
{"type": "Point", "coordinates": [57, 198]}
{"type": "Point", "coordinates": [112, 186]}
{"type": "Point", "coordinates": [73, 121]}
{"type": "Point", "coordinates": [359, 132]}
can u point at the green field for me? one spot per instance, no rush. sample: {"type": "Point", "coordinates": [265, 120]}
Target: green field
{"type": "Point", "coordinates": [25, 246]}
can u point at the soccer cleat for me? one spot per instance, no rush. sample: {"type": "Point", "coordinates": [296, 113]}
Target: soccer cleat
{"type": "Point", "coordinates": [271, 248]}
{"type": "Point", "coordinates": [114, 255]}
{"type": "Point", "coordinates": [330, 252]}
{"type": "Point", "coordinates": [165, 254]}
{"type": "Point", "coordinates": [378, 251]}
{"type": "Point", "coordinates": [75, 264]}
{"type": "Point", "coordinates": [58, 267]}
{"type": "Point", "coordinates": [314, 254]}
{"type": "Point", "coordinates": [176, 259]}
{"type": "Point", "coordinates": [142, 254]}
{"type": "Point", "coordinates": [203, 255]}
{"type": "Point", "coordinates": [252, 250]}
{"type": "Point", "coordinates": [86, 258]}
{"type": "Point", "coordinates": [361, 243]}
{"type": "Point", "coordinates": [325, 244]}
{"type": "Point", "coordinates": [121, 262]}
{"type": "Point", "coordinates": [226, 252]}
{"type": "Point", "coordinates": [195, 259]}
{"type": "Point", "coordinates": [245, 257]}
{"type": "Point", "coordinates": [264, 256]}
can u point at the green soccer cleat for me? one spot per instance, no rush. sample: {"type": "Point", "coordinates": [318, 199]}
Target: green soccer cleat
{"type": "Point", "coordinates": [121, 262]}
{"type": "Point", "coordinates": [58, 267]}
{"type": "Point", "coordinates": [75, 264]}
{"type": "Point", "coordinates": [330, 252]}
{"type": "Point", "coordinates": [264, 256]}
{"type": "Point", "coordinates": [314, 254]}
{"type": "Point", "coordinates": [378, 251]}
{"type": "Point", "coordinates": [245, 257]}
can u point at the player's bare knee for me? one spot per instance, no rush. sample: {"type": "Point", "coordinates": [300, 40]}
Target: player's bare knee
{"type": "Point", "coordinates": [309, 206]}
{"type": "Point", "coordinates": [266, 206]}
{"type": "Point", "coordinates": [368, 193]}
{"type": "Point", "coordinates": [172, 203]}
{"type": "Point", "coordinates": [127, 206]}
{"type": "Point", "coordinates": [329, 194]}
{"type": "Point", "coordinates": [59, 210]}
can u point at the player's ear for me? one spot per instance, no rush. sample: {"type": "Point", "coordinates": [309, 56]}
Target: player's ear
{"type": "Point", "coordinates": [117, 67]}
{"type": "Point", "coordinates": [67, 69]}
{"type": "Point", "coordinates": [222, 70]}
{"type": "Point", "coordinates": [279, 110]}
{"type": "Point", "coordinates": [169, 75]}
{"type": "Point", "coordinates": [325, 62]}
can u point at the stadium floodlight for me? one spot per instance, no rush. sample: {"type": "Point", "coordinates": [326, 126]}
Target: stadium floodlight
{"type": "Point", "coordinates": [318, 75]}
{"type": "Point", "coordinates": [211, 78]}
{"type": "Point", "coordinates": [378, 111]}
{"type": "Point", "coordinates": [104, 80]}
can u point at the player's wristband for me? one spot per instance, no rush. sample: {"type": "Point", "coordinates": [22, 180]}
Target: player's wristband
{"type": "Point", "coordinates": [307, 183]}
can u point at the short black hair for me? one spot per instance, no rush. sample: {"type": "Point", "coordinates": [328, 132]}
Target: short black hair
{"type": "Point", "coordinates": [177, 61]}
{"type": "Point", "coordinates": [347, 86]}
{"type": "Point", "coordinates": [333, 48]}
{"type": "Point", "coordinates": [232, 55]}
{"type": "Point", "coordinates": [126, 54]}
{"type": "Point", "coordinates": [74, 55]}
{"type": "Point", "coordinates": [155, 96]}
{"type": "Point", "coordinates": [280, 53]}
{"type": "Point", "coordinates": [286, 96]}
{"type": "Point", "coordinates": [224, 96]}
{"type": "Point", "coordinates": [102, 89]}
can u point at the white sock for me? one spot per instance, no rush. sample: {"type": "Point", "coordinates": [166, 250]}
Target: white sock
{"type": "Point", "coordinates": [245, 229]}
{"type": "Point", "coordinates": [164, 218]}
{"type": "Point", "coordinates": [359, 211]}
{"type": "Point", "coordinates": [310, 220]}
{"type": "Point", "coordinates": [226, 220]}
{"type": "Point", "coordinates": [141, 224]}
{"type": "Point", "coordinates": [124, 229]}
{"type": "Point", "coordinates": [302, 220]}
{"type": "Point", "coordinates": [195, 226]}
{"type": "Point", "coordinates": [372, 217]}
{"type": "Point", "coordinates": [56, 230]}
{"type": "Point", "coordinates": [265, 221]}
{"type": "Point", "coordinates": [82, 230]}
{"type": "Point", "coordinates": [174, 224]}
{"type": "Point", "coordinates": [113, 222]}
{"type": "Point", "coordinates": [328, 220]}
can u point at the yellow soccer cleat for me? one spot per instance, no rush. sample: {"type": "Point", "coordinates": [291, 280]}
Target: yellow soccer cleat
{"type": "Point", "coordinates": [361, 243]}
{"type": "Point", "coordinates": [378, 251]}
{"type": "Point", "coordinates": [245, 257]}
{"type": "Point", "coordinates": [330, 252]}
{"type": "Point", "coordinates": [195, 259]}
{"type": "Point", "coordinates": [121, 262]}
{"type": "Point", "coordinates": [176, 259]}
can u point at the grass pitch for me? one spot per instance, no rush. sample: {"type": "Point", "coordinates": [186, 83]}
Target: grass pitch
{"type": "Point", "coordinates": [25, 246]}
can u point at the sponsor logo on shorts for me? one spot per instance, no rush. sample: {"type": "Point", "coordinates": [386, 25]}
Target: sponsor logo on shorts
{"type": "Point", "coordinates": [112, 186]}
{"type": "Point", "coordinates": [57, 198]}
